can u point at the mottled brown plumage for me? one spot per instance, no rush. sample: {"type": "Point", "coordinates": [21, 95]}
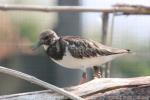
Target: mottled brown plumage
{"type": "Point", "coordinates": [77, 46]}
{"type": "Point", "coordinates": [77, 53]}
{"type": "Point", "coordinates": [81, 47]}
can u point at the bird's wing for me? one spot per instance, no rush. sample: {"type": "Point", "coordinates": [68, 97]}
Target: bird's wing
{"type": "Point", "coordinates": [81, 47]}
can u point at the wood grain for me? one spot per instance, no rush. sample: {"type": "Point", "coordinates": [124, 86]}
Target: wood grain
{"type": "Point", "coordinates": [104, 88]}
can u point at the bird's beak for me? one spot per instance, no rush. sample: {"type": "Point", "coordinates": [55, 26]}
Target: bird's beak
{"type": "Point", "coordinates": [39, 43]}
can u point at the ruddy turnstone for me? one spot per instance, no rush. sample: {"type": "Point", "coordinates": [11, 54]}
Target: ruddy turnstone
{"type": "Point", "coordinates": [77, 53]}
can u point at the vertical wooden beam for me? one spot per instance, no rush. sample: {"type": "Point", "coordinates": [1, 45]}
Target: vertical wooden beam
{"type": "Point", "coordinates": [105, 19]}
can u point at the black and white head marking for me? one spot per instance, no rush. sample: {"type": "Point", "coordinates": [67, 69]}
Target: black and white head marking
{"type": "Point", "coordinates": [48, 37]}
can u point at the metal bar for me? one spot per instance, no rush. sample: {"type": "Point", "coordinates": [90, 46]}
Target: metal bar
{"type": "Point", "coordinates": [129, 10]}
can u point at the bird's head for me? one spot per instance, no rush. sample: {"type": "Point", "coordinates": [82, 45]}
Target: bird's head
{"type": "Point", "coordinates": [47, 38]}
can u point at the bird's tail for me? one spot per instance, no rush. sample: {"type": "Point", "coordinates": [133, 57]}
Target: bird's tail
{"type": "Point", "coordinates": [130, 52]}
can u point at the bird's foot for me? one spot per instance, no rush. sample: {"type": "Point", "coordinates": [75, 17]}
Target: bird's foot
{"type": "Point", "coordinates": [97, 73]}
{"type": "Point", "coordinates": [84, 78]}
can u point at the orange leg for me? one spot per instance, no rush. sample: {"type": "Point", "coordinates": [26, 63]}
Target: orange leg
{"type": "Point", "coordinates": [84, 78]}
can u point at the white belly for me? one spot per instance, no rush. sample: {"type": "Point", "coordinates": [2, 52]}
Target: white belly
{"type": "Point", "coordinates": [75, 63]}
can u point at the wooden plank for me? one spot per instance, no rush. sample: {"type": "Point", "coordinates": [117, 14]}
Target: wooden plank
{"type": "Point", "coordinates": [95, 89]}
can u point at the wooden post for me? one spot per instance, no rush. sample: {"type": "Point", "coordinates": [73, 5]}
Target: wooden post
{"type": "Point", "coordinates": [105, 19]}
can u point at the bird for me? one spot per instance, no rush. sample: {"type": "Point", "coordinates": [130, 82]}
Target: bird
{"type": "Point", "coordinates": [75, 52]}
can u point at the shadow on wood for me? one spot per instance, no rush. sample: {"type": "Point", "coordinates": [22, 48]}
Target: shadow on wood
{"type": "Point", "coordinates": [104, 88]}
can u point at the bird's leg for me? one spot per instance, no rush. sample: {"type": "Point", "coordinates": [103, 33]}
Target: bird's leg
{"type": "Point", "coordinates": [103, 72]}
{"type": "Point", "coordinates": [84, 78]}
{"type": "Point", "coordinates": [108, 65]}
{"type": "Point", "coordinates": [97, 72]}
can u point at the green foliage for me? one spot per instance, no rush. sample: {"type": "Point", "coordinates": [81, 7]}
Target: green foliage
{"type": "Point", "coordinates": [132, 67]}
{"type": "Point", "coordinates": [29, 29]}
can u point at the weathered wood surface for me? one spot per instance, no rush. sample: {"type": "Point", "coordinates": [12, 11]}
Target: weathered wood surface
{"type": "Point", "coordinates": [125, 8]}
{"type": "Point", "coordinates": [104, 88]}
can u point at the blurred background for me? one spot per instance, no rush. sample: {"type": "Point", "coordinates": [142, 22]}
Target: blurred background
{"type": "Point", "coordinates": [19, 31]}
